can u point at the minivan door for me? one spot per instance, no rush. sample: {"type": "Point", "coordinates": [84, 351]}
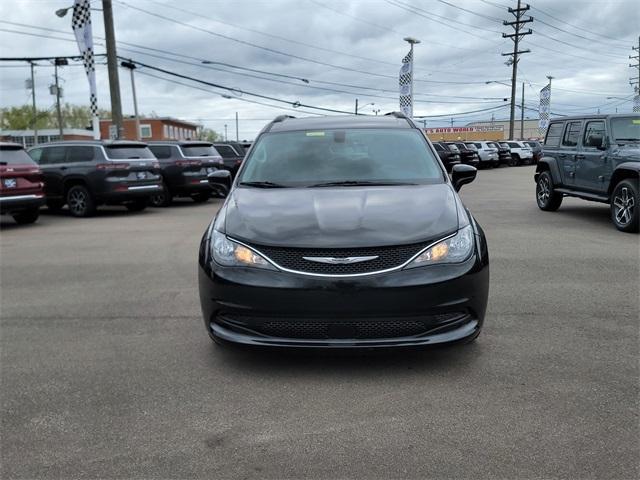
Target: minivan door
{"type": "Point", "coordinates": [593, 171]}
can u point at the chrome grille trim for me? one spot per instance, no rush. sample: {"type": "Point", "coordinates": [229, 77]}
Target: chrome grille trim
{"type": "Point", "coordinates": [346, 275]}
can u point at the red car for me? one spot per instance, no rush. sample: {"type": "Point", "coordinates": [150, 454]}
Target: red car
{"type": "Point", "coordinates": [21, 186]}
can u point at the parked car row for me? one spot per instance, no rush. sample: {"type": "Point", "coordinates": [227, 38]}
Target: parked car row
{"type": "Point", "coordinates": [487, 154]}
{"type": "Point", "coordinates": [86, 174]}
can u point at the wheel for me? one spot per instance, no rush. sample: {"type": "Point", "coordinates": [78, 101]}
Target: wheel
{"type": "Point", "coordinates": [548, 199]}
{"type": "Point", "coordinates": [161, 199]}
{"type": "Point", "coordinates": [496, 163]}
{"type": "Point", "coordinates": [201, 197]}
{"type": "Point", "coordinates": [27, 216]}
{"type": "Point", "coordinates": [136, 205]}
{"type": "Point", "coordinates": [514, 161]}
{"type": "Point", "coordinates": [80, 201]}
{"type": "Point", "coordinates": [624, 206]}
{"type": "Point", "coordinates": [55, 205]}
{"type": "Point", "coordinates": [220, 191]}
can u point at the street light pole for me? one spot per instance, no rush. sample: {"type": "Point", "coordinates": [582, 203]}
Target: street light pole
{"type": "Point", "coordinates": [112, 67]}
{"type": "Point", "coordinates": [356, 106]}
{"type": "Point", "coordinates": [237, 134]}
{"type": "Point", "coordinates": [225, 132]}
{"type": "Point", "coordinates": [58, 61]}
{"type": "Point", "coordinates": [33, 101]}
{"type": "Point", "coordinates": [132, 66]}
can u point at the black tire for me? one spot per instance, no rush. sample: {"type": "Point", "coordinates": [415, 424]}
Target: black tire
{"type": "Point", "coordinates": [80, 201]}
{"type": "Point", "coordinates": [220, 191]}
{"type": "Point", "coordinates": [137, 205]}
{"type": "Point", "coordinates": [547, 198]}
{"type": "Point", "coordinates": [201, 197]}
{"type": "Point", "coordinates": [27, 216]}
{"type": "Point", "coordinates": [55, 205]}
{"type": "Point", "coordinates": [625, 211]}
{"type": "Point", "coordinates": [496, 164]}
{"type": "Point", "coordinates": [162, 199]}
{"type": "Point", "coordinates": [514, 161]}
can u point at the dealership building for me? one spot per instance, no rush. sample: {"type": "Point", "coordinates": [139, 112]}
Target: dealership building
{"type": "Point", "coordinates": [492, 130]}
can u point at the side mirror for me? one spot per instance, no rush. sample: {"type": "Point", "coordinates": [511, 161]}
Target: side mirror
{"type": "Point", "coordinates": [220, 174]}
{"type": "Point", "coordinates": [461, 175]}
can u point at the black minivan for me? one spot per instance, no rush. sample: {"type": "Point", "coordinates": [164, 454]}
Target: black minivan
{"type": "Point", "coordinates": [85, 174]}
{"type": "Point", "coordinates": [344, 232]}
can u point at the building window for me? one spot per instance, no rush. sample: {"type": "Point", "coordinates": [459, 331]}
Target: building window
{"type": "Point", "coordinates": [165, 131]}
{"type": "Point", "coordinates": [145, 131]}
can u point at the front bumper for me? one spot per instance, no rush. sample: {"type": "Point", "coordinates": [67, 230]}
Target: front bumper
{"type": "Point", "coordinates": [413, 307]}
{"type": "Point", "coordinates": [17, 203]}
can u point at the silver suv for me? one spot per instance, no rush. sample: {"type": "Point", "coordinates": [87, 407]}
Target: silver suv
{"type": "Point", "coordinates": [488, 154]}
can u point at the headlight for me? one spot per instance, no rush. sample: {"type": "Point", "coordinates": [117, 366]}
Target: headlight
{"type": "Point", "coordinates": [231, 254]}
{"type": "Point", "coordinates": [452, 250]}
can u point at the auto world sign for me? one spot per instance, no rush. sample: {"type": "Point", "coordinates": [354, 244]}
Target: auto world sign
{"type": "Point", "coordinates": [495, 128]}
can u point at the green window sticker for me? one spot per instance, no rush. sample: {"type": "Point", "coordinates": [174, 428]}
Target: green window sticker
{"type": "Point", "coordinates": [635, 122]}
{"type": "Point", "coordinates": [314, 134]}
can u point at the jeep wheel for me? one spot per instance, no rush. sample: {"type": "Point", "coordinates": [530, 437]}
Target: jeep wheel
{"type": "Point", "coordinates": [161, 199]}
{"type": "Point", "coordinates": [548, 199]}
{"type": "Point", "coordinates": [624, 206]}
{"type": "Point", "coordinates": [27, 216]}
{"type": "Point", "coordinates": [80, 201]}
{"type": "Point", "coordinates": [514, 161]}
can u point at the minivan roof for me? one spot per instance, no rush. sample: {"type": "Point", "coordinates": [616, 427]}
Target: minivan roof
{"type": "Point", "coordinates": [289, 124]}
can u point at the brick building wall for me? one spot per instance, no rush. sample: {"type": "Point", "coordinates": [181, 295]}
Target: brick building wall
{"type": "Point", "coordinates": [154, 129]}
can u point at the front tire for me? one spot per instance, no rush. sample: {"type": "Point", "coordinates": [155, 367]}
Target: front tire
{"type": "Point", "coordinates": [80, 201]}
{"type": "Point", "coordinates": [514, 161]}
{"type": "Point", "coordinates": [27, 216]}
{"type": "Point", "coordinates": [624, 206]}
{"type": "Point", "coordinates": [547, 198]}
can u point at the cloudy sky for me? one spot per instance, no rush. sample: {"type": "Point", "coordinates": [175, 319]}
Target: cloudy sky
{"type": "Point", "coordinates": [327, 53]}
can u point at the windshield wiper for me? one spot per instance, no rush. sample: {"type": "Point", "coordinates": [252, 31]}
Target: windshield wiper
{"type": "Point", "coordinates": [357, 183]}
{"type": "Point", "coordinates": [628, 139]}
{"type": "Point", "coordinates": [265, 184]}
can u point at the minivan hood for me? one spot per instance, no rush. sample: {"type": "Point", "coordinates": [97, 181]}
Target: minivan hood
{"type": "Point", "coordinates": [341, 216]}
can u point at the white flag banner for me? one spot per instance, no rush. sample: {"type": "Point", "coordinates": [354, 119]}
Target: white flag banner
{"type": "Point", "coordinates": [81, 25]}
{"type": "Point", "coordinates": [405, 81]}
{"type": "Point", "coordinates": [544, 110]}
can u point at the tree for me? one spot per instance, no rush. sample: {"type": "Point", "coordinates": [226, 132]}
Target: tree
{"type": "Point", "coordinates": [209, 135]}
{"type": "Point", "coordinates": [73, 116]}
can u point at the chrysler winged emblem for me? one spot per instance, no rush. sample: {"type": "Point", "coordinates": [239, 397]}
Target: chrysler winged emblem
{"type": "Point", "coordinates": [340, 261]}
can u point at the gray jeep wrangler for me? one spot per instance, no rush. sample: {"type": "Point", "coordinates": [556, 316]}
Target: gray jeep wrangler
{"type": "Point", "coordinates": [595, 158]}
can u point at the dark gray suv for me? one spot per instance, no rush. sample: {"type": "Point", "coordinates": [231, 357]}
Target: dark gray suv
{"type": "Point", "coordinates": [595, 158]}
{"type": "Point", "coordinates": [85, 174]}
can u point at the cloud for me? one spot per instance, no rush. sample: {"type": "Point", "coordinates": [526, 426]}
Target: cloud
{"type": "Point", "coordinates": [459, 52]}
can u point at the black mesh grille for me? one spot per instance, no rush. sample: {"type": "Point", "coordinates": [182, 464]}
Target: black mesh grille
{"type": "Point", "coordinates": [388, 257]}
{"type": "Point", "coordinates": [305, 328]}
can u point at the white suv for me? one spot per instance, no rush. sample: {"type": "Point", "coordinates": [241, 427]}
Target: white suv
{"type": "Point", "coordinates": [520, 153]}
{"type": "Point", "coordinates": [488, 154]}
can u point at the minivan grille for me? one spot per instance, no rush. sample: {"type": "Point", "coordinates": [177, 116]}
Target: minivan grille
{"type": "Point", "coordinates": [387, 257]}
{"type": "Point", "coordinates": [313, 328]}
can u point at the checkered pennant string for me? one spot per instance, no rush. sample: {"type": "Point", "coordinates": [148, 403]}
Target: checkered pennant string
{"type": "Point", "coordinates": [405, 80]}
{"type": "Point", "coordinates": [81, 25]}
{"type": "Point", "coordinates": [544, 110]}
{"type": "Point", "coordinates": [636, 103]}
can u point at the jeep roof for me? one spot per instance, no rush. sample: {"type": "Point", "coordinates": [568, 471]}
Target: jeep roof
{"type": "Point", "coordinates": [285, 123]}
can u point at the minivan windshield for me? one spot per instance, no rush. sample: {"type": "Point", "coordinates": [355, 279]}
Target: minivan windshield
{"type": "Point", "coordinates": [626, 129]}
{"type": "Point", "coordinates": [341, 157]}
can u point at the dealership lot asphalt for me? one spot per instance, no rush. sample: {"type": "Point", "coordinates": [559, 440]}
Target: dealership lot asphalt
{"type": "Point", "coordinates": [106, 369]}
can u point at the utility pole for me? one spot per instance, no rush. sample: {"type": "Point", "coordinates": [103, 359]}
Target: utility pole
{"type": "Point", "coordinates": [356, 106]}
{"type": "Point", "coordinates": [518, 34]}
{"type": "Point", "coordinates": [522, 115]}
{"type": "Point", "coordinates": [635, 81]}
{"type": "Point", "coordinates": [33, 101]}
{"type": "Point", "coordinates": [225, 132]}
{"type": "Point", "coordinates": [112, 66]}
{"type": "Point", "coordinates": [132, 66]}
{"type": "Point", "coordinates": [237, 134]}
{"type": "Point", "coordinates": [56, 63]}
